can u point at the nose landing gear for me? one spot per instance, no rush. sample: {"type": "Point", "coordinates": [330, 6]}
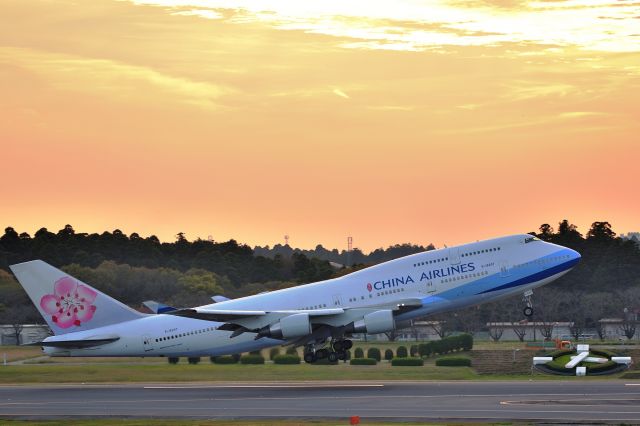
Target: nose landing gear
{"type": "Point", "coordinates": [528, 310]}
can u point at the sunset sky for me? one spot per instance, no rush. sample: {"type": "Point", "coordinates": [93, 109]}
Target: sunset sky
{"type": "Point", "coordinates": [391, 121]}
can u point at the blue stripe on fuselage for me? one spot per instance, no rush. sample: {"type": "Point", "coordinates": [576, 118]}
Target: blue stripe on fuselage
{"type": "Point", "coordinates": [545, 273]}
{"type": "Point", "coordinates": [497, 282]}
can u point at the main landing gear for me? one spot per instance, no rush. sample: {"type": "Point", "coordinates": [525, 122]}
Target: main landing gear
{"type": "Point", "coordinates": [337, 351]}
{"type": "Point", "coordinates": [528, 310]}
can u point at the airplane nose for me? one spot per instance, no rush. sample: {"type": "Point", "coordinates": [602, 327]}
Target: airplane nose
{"type": "Point", "coordinates": [575, 255]}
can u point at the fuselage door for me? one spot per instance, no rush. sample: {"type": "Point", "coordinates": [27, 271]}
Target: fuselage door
{"type": "Point", "coordinates": [337, 300]}
{"type": "Point", "coordinates": [147, 343]}
{"type": "Point", "coordinates": [505, 271]}
{"type": "Point", "coordinates": [454, 255]}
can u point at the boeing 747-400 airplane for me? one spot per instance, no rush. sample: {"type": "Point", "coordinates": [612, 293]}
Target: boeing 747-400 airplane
{"type": "Point", "coordinates": [319, 316]}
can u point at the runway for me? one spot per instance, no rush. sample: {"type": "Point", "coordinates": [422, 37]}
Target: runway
{"type": "Point", "coordinates": [573, 400]}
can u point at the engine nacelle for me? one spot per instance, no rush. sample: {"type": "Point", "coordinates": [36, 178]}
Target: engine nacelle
{"type": "Point", "coordinates": [375, 322]}
{"type": "Point", "coordinates": [291, 326]}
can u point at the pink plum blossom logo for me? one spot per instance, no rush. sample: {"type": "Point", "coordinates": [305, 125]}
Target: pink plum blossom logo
{"type": "Point", "coordinates": [70, 304]}
{"type": "Point", "coordinates": [369, 287]}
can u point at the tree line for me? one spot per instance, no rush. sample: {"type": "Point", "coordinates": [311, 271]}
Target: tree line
{"type": "Point", "coordinates": [186, 273]}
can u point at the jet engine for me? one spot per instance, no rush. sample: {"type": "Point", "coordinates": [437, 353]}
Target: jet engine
{"type": "Point", "coordinates": [375, 322]}
{"type": "Point", "coordinates": [291, 326]}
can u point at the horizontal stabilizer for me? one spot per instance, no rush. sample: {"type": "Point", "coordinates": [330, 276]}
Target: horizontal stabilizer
{"type": "Point", "coordinates": [157, 307]}
{"type": "Point", "coordinates": [75, 344]}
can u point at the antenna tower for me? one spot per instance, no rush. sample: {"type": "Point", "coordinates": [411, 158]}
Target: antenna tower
{"type": "Point", "coordinates": [286, 240]}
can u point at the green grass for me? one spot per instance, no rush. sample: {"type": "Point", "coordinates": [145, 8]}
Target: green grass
{"type": "Point", "coordinates": [100, 373]}
{"type": "Point", "coordinates": [561, 361]}
{"type": "Point", "coordinates": [206, 372]}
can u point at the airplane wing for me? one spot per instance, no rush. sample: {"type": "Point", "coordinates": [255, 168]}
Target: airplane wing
{"type": "Point", "coordinates": [296, 324]}
{"type": "Point", "coordinates": [227, 315]}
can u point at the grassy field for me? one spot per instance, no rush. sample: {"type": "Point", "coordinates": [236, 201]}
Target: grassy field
{"type": "Point", "coordinates": [120, 370]}
{"type": "Point", "coordinates": [16, 353]}
{"type": "Point", "coordinates": [205, 372]}
{"type": "Point", "coordinates": [101, 373]}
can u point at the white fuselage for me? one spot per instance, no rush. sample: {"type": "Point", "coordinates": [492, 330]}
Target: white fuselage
{"type": "Point", "coordinates": [443, 280]}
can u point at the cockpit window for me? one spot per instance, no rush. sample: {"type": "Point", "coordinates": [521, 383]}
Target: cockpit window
{"type": "Point", "coordinates": [531, 239]}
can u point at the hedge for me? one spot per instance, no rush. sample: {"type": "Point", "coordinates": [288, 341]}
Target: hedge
{"type": "Point", "coordinates": [560, 352]}
{"type": "Point", "coordinates": [193, 360]}
{"type": "Point", "coordinates": [401, 352]}
{"type": "Point", "coordinates": [454, 361]}
{"type": "Point", "coordinates": [252, 359]}
{"type": "Point", "coordinates": [292, 350]}
{"type": "Point", "coordinates": [388, 354]}
{"type": "Point", "coordinates": [407, 362]}
{"type": "Point", "coordinates": [602, 352]}
{"type": "Point", "coordinates": [286, 359]}
{"type": "Point", "coordinates": [374, 353]}
{"type": "Point", "coordinates": [363, 361]}
{"type": "Point", "coordinates": [462, 342]}
{"type": "Point", "coordinates": [413, 350]}
{"type": "Point", "coordinates": [173, 360]}
{"type": "Point", "coordinates": [274, 352]}
{"type": "Point", "coordinates": [609, 365]}
{"type": "Point", "coordinates": [225, 359]}
{"type": "Point", "coordinates": [358, 353]}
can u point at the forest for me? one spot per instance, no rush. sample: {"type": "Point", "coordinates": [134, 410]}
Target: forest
{"type": "Point", "coordinates": [182, 273]}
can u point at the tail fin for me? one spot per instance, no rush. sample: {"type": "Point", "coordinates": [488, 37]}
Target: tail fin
{"type": "Point", "coordinates": [68, 304]}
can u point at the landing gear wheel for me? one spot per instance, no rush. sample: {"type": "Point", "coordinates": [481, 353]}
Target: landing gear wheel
{"type": "Point", "coordinates": [310, 358]}
{"type": "Point", "coordinates": [338, 345]}
{"type": "Point", "coordinates": [528, 311]}
{"type": "Point", "coordinates": [342, 356]}
{"type": "Point", "coordinates": [348, 344]}
{"type": "Point", "coordinates": [322, 353]}
{"type": "Point", "coordinates": [333, 357]}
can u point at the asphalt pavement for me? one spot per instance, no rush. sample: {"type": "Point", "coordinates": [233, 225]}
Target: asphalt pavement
{"type": "Point", "coordinates": [574, 400]}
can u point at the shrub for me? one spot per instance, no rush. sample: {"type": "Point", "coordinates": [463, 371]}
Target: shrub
{"type": "Point", "coordinates": [602, 352]}
{"type": "Point", "coordinates": [413, 350]}
{"type": "Point", "coordinates": [453, 361]}
{"type": "Point", "coordinates": [358, 353]}
{"type": "Point", "coordinates": [252, 359]}
{"type": "Point", "coordinates": [401, 352]}
{"type": "Point", "coordinates": [560, 352]}
{"type": "Point", "coordinates": [425, 349]}
{"type": "Point", "coordinates": [173, 360]}
{"type": "Point", "coordinates": [449, 344]}
{"type": "Point", "coordinates": [609, 365]}
{"type": "Point", "coordinates": [374, 353]}
{"type": "Point", "coordinates": [363, 361]}
{"type": "Point", "coordinates": [286, 359]}
{"type": "Point", "coordinates": [292, 350]}
{"type": "Point", "coordinates": [255, 353]}
{"type": "Point", "coordinates": [236, 357]}
{"type": "Point", "coordinates": [226, 359]}
{"type": "Point", "coordinates": [466, 342]}
{"type": "Point", "coordinates": [406, 362]}
{"type": "Point", "coordinates": [193, 360]}
{"type": "Point", "coordinates": [273, 353]}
